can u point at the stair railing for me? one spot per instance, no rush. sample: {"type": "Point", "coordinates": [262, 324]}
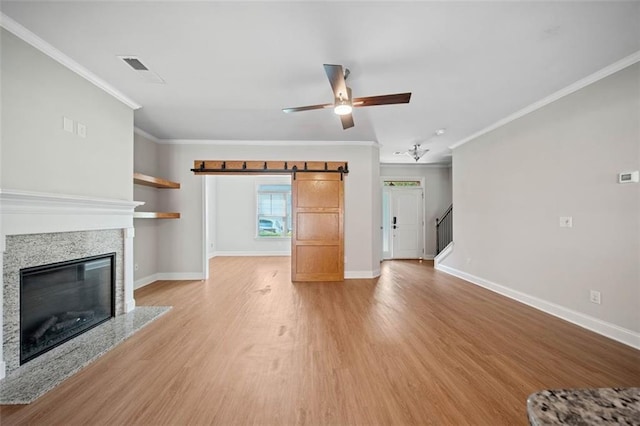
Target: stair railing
{"type": "Point", "coordinates": [444, 229]}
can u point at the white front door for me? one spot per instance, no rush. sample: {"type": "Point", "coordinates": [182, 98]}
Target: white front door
{"type": "Point", "coordinates": [404, 223]}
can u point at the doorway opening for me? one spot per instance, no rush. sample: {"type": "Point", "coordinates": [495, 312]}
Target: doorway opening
{"type": "Point", "coordinates": [314, 226]}
{"type": "Point", "coordinates": [403, 218]}
{"type": "Point", "coordinates": [247, 215]}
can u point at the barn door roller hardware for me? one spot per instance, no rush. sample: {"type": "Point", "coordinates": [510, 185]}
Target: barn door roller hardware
{"type": "Point", "coordinates": [219, 167]}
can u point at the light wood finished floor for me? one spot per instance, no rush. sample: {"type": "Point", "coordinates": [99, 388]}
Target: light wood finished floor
{"type": "Point", "coordinates": [249, 347]}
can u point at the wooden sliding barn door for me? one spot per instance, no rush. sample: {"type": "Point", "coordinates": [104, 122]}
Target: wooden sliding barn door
{"type": "Point", "coordinates": [317, 243]}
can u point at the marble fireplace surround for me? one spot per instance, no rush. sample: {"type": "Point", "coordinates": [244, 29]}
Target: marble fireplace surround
{"type": "Point", "coordinates": [72, 227]}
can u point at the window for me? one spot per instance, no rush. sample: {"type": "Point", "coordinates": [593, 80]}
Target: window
{"type": "Point", "coordinates": [274, 211]}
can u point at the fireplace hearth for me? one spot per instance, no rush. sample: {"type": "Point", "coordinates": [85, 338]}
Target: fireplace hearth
{"type": "Point", "coordinates": [63, 300]}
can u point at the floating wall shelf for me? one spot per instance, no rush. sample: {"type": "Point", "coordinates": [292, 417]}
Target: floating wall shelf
{"type": "Point", "coordinates": [155, 215]}
{"type": "Point", "coordinates": [140, 179]}
{"type": "Point", "coordinates": [155, 182]}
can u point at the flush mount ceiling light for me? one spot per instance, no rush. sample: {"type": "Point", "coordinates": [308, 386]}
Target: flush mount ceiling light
{"type": "Point", "coordinates": [417, 152]}
{"type": "Point", "coordinates": [440, 132]}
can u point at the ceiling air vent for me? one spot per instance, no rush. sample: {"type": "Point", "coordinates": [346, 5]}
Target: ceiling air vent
{"type": "Point", "coordinates": [142, 70]}
{"type": "Point", "coordinates": [135, 64]}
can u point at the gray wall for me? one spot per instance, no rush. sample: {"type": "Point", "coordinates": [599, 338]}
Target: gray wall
{"type": "Point", "coordinates": [437, 194]}
{"type": "Point", "coordinates": [232, 215]}
{"type": "Point", "coordinates": [37, 154]}
{"type": "Point", "coordinates": [181, 241]}
{"type": "Point", "coordinates": [145, 243]}
{"type": "Point", "coordinates": [511, 185]}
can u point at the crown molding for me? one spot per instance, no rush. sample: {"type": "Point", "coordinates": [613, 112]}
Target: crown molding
{"type": "Point", "coordinates": [139, 131]}
{"type": "Point", "coordinates": [44, 47]}
{"type": "Point", "coordinates": [264, 142]}
{"type": "Point", "coordinates": [598, 75]}
{"type": "Point", "coordinates": [228, 142]}
{"type": "Point", "coordinates": [427, 165]}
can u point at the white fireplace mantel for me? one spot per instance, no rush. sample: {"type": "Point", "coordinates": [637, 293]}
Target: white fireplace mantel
{"type": "Point", "coordinates": [24, 212]}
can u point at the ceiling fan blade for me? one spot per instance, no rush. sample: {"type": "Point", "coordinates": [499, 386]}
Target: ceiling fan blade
{"type": "Point", "coordinates": [347, 121]}
{"type": "Point", "coordinates": [306, 108]}
{"type": "Point", "coordinates": [396, 98]}
{"type": "Point", "coordinates": [335, 74]}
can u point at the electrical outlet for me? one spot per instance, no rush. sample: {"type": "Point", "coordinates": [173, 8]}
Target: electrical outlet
{"type": "Point", "coordinates": [594, 297]}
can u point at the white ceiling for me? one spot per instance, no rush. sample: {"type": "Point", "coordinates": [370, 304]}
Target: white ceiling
{"type": "Point", "coordinates": [231, 66]}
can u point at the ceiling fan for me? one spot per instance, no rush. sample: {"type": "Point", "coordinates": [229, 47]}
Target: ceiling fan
{"type": "Point", "coordinates": [343, 101]}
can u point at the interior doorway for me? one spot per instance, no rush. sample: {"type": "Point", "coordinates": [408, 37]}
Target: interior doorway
{"type": "Point", "coordinates": [403, 221]}
{"type": "Point", "coordinates": [314, 223]}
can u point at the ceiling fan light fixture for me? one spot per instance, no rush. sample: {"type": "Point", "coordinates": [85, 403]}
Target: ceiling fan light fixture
{"type": "Point", "coordinates": [343, 107]}
{"type": "Point", "coordinates": [343, 103]}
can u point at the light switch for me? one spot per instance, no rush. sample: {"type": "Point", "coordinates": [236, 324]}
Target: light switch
{"type": "Point", "coordinates": [82, 130]}
{"type": "Point", "coordinates": [566, 222]}
{"type": "Point", "coordinates": [67, 124]}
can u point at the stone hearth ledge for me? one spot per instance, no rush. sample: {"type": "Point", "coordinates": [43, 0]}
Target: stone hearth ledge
{"type": "Point", "coordinates": [597, 406]}
{"type": "Point", "coordinates": [42, 374]}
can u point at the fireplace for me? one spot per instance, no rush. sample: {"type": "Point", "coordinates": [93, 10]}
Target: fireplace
{"type": "Point", "coordinates": [60, 301]}
{"type": "Point", "coordinates": [47, 229]}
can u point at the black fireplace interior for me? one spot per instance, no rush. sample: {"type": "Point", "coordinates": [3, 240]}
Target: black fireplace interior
{"type": "Point", "coordinates": [62, 300]}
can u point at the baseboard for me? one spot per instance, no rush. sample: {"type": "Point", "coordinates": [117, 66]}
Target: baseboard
{"type": "Point", "coordinates": [168, 276]}
{"type": "Point", "coordinates": [428, 257]}
{"type": "Point", "coordinates": [145, 281]}
{"type": "Point", "coordinates": [129, 305]}
{"type": "Point", "coordinates": [352, 275]}
{"type": "Point", "coordinates": [612, 331]}
{"type": "Point", "coordinates": [250, 253]}
{"type": "Point", "coordinates": [443, 254]}
{"type": "Point", "coordinates": [3, 370]}
{"type": "Point", "coordinates": [179, 276]}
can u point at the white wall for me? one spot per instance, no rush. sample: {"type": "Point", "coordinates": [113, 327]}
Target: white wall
{"type": "Point", "coordinates": [233, 217]}
{"type": "Point", "coordinates": [510, 187]}
{"type": "Point", "coordinates": [36, 92]}
{"type": "Point", "coordinates": [37, 154]}
{"type": "Point", "coordinates": [181, 241]}
{"type": "Point", "coordinates": [145, 243]}
{"type": "Point", "coordinates": [437, 194]}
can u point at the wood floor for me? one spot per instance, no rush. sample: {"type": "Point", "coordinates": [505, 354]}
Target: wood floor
{"type": "Point", "coordinates": [415, 346]}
